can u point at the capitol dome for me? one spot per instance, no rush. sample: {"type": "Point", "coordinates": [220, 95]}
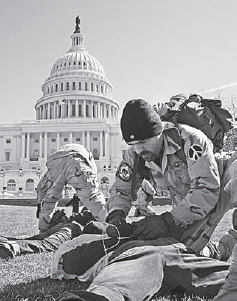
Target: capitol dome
{"type": "Point", "coordinates": [77, 86]}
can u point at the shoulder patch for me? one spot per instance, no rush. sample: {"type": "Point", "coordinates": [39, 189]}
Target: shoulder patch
{"type": "Point", "coordinates": [195, 152]}
{"type": "Point", "coordinates": [124, 172]}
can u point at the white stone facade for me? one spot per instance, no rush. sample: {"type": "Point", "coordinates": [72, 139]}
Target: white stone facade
{"type": "Point", "coordinates": [77, 106]}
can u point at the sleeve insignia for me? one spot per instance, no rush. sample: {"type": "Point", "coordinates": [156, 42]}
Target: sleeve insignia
{"type": "Point", "coordinates": [124, 172]}
{"type": "Point", "coordinates": [195, 152]}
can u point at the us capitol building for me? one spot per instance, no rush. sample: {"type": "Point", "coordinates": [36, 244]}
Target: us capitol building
{"type": "Point", "coordinates": [77, 106]}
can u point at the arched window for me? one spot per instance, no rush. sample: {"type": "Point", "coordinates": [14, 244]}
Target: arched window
{"type": "Point", "coordinates": [86, 86]}
{"type": "Point", "coordinates": [11, 185]}
{"type": "Point", "coordinates": [67, 86]}
{"type": "Point", "coordinates": [29, 185]}
{"type": "Point", "coordinates": [104, 180]}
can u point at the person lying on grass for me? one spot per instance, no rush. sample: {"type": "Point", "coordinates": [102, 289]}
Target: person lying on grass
{"type": "Point", "coordinates": [62, 229]}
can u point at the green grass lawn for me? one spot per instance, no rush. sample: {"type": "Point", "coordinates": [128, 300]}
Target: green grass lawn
{"type": "Point", "coordinates": [26, 278]}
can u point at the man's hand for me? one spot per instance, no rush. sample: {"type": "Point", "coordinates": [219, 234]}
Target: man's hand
{"type": "Point", "coordinates": [59, 216]}
{"type": "Point", "coordinates": [153, 227]}
{"type": "Point", "coordinates": [115, 216]}
{"type": "Point", "coordinates": [119, 227]}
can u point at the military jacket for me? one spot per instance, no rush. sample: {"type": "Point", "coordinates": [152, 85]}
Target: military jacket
{"type": "Point", "coordinates": [187, 168]}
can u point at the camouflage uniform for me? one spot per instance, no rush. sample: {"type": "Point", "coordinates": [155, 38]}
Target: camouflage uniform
{"type": "Point", "coordinates": [71, 164]}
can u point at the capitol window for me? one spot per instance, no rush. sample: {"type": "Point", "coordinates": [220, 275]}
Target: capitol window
{"type": "Point", "coordinates": [56, 88]}
{"type": "Point", "coordinates": [8, 140]}
{"type": "Point", "coordinates": [73, 86]}
{"type": "Point", "coordinates": [29, 185]}
{"type": "Point", "coordinates": [79, 85]}
{"type": "Point", "coordinates": [67, 86]}
{"type": "Point", "coordinates": [7, 156]}
{"type": "Point", "coordinates": [86, 86]}
{"type": "Point", "coordinates": [11, 185]}
{"type": "Point", "coordinates": [92, 87]}
{"type": "Point", "coordinates": [61, 86]}
{"type": "Point", "coordinates": [65, 139]}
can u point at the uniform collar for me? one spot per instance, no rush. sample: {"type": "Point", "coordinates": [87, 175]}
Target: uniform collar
{"type": "Point", "coordinates": [171, 144]}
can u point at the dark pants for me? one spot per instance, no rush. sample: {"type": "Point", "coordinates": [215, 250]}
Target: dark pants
{"type": "Point", "coordinates": [140, 272]}
{"type": "Point", "coordinates": [51, 240]}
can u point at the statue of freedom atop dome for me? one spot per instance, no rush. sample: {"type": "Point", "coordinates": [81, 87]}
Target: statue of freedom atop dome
{"type": "Point", "coordinates": [78, 21]}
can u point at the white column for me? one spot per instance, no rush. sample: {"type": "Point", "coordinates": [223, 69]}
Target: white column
{"type": "Point", "coordinates": [101, 144]}
{"type": "Point", "coordinates": [58, 141]}
{"type": "Point", "coordinates": [106, 142]}
{"type": "Point", "coordinates": [63, 109]}
{"type": "Point", "coordinates": [28, 146]}
{"type": "Point", "coordinates": [40, 146]}
{"type": "Point", "coordinates": [83, 138]}
{"type": "Point", "coordinates": [105, 111]}
{"type": "Point", "coordinates": [48, 108]}
{"type": "Point", "coordinates": [109, 108]}
{"type": "Point", "coordinates": [54, 110]}
{"type": "Point", "coordinates": [88, 140]}
{"type": "Point", "coordinates": [23, 145]}
{"type": "Point", "coordinates": [45, 144]}
{"type": "Point", "coordinates": [68, 108]}
{"type": "Point", "coordinates": [91, 109]}
{"type": "Point", "coordinates": [99, 110]}
{"type": "Point", "coordinates": [70, 137]}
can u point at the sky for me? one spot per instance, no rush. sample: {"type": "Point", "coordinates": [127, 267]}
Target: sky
{"type": "Point", "coordinates": [149, 49]}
